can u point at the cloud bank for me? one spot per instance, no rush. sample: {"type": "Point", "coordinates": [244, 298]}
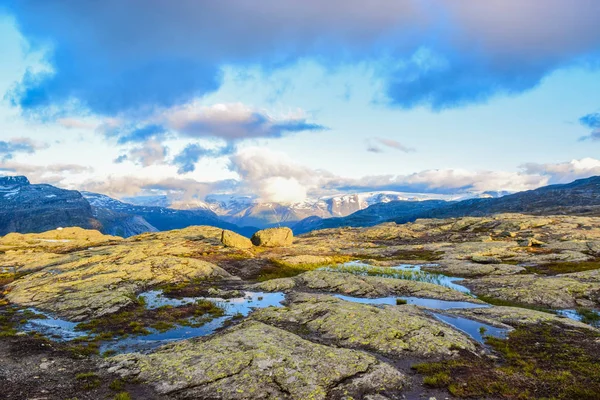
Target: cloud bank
{"type": "Point", "coordinates": [437, 53]}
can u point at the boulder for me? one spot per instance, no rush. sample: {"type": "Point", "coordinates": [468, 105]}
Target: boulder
{"type": "Point", "coordinates": [273, 237]}
{"type": "Point", "coordinates": [232, 239]}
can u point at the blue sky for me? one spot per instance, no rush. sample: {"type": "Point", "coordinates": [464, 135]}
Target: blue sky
{"type": "Point", "coordinates": [286, 100]}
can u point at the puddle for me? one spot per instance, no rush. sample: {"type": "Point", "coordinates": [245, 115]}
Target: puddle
{"type": "Point", "coordinates": [403, 271]}
{"type": "Point", "coordinates": [476, 330]}
{"type": "Point", "coordinates": [417, 301]}
{"type": "Point", "coordinates": [50, 326]}
{"type": "Point", "coordinates": [470, 327]}
{"type": "Point", "coordinates": [575, 315]}
{"type": "Point", "coordinates": [63, 330]}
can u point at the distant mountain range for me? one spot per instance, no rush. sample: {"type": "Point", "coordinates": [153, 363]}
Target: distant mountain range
{"type": "Point", "coordinates": [248, 211]}
{"type": "Point", "coordinates": [581, 197]}
{"type": "Point", "coordinates": [35, 208]}
{"type": "Point", "coordinates": [123, 219]}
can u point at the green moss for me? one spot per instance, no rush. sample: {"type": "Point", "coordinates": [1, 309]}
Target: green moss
{"type": "Point", "coordinates": [401, 302]}
{"type": "Point", "coordinates": [507, 303]}
{"type": "Point", "coordinates": [437, 380]}
{"type": "Point", "coordinates": [136, 320]}
{"type": "Point", "coordinates": [590, 317]}
{"type": "Point", "coordinates": [562, 267]}
{"type": "Point", "coordinates": [535, 362]}
{"type": "Point", "coordinates": [89, 380]}
{"type": "Point", "coordinates": [281, 269]}
{"type": "Point", "coordinates": [117, 385]}
{"type": "Point", "coordinates": [403, 255]}
{"type": "Point", "coordinates": [122, 396]}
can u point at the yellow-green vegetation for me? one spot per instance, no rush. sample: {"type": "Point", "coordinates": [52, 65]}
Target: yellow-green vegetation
{"type": "Point", "coordinates": [364, 286]}
{"type": "Point", "coordinates": [286, 269]}
{"type": "Point", "coordinates": [253, 359]}
{"type": "Point", "coordinates": [404, 255]}
{"type": "Point", "coordinates": [122, 396]}
{"type": "Point", "coordinates": [590, 317]}
{"type": "Point", "coordinates": [387, 330]}
{"type": "Point", "coordinates": [387, 272]}
{"type": "Point", "coordinates": [117, 385]}
{"type": "Point", "coordinates": [535, 361]}
{"type": "Point", "coordinates": [136, 320]}
{"type": "Point", "coordinates": [100, 281]}
{"type": "Point", "coordinates": [556, 268]}
{"type": "Point", "coordinates": [89, 380]}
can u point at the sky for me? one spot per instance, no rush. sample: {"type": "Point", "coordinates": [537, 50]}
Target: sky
{"type": "Point", "coordinates": [287, 100]}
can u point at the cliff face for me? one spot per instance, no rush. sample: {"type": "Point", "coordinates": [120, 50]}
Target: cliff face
{"type": "Point", "coordinates": [28, 208]}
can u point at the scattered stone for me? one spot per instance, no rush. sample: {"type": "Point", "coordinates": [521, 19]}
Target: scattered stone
{"type": "Point", "coordinates": [273, 237]}
{"type": "Point", "coordinates": [486, 259]}
{"type": "Point", "coordinates": [232, 239]}
{"type": "Point", "coordinates": [530, 242]}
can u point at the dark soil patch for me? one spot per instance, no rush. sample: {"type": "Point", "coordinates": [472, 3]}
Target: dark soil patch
{"type": "Point", "coordinates": [535, 362]}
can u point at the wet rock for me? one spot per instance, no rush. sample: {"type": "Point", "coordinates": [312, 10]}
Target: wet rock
{"type": "Point", "coordinates": [512, 316]}
{"type": "Point", "coordinates": [273, 237]}
{"type": "Point", "coordinates": [258, 361]}
{"type": "Point", "coordinates": [486, 259]}
{"type": "Point", "coordinates": [548, 291]}
{"type": "Point", "coordinates": [232, 239]}
{"type": "Point", "coordinates": [469, 269]}
{"type": "Point", "coordinates": [389, 330]}
{"type": "Point", "coordinates": [366, 286]}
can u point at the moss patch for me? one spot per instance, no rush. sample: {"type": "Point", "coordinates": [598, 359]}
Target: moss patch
{"type": "Point", "coordinates": [542, 361]}
{"type": "Point", "coordinates": [562, 267]}
{"type": "Point", "coordinates": [281, 269]}
{"type": "Point", "coordinates": [136, 320]}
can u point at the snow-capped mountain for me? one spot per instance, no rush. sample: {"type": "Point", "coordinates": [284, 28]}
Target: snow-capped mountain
{"type": "Point", "coordinates": [251, 211]}
{"type": "Point", "coordinates": [36, 208]}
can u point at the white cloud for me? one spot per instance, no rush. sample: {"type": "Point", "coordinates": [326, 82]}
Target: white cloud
{"type": "Point", "coordinates": [565, 172]}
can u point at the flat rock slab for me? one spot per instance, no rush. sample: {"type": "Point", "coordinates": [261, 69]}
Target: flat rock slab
{"type": "Point", "coordinates": [365, 286]}
{"type": "Point", "coordinates": [512, 316]}
{"type": "Point", "coordinates": [548, 291]}
{"type": "Point", "coordinates": [258, 361]}
{"type": "Point", "coordinates": [100, 282]}
{"type": "Point", "coordinates": [389, 330]}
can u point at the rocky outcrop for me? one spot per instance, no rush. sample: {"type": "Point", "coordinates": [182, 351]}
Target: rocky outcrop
{"type": "Point", "coordinates": [390, 330]}
{"type": "Point", "coordinates": [257, 361]}
{"type": "Point", "coordinates": [273, 237]}
{"type": "Point", "coordinates": [552, 291]}
{"type": "Point", "coordinates": [364, 286]}
{"type": "Point", "coordinates": [27, 208]}
{"type": "Point", "coordinates": [512, 316]}
{"type": "Point", "coordinates": [232, 239]}
{"type": "Point", "coordinates": [100, 281]}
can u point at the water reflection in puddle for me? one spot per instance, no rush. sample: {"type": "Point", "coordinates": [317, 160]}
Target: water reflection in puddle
{"type": "Point", "coordinates": [476, 330]}
{"type": "Point", "coordinates": [403, 271]}
{"type": "Point", "coordinates": [63, 330]}
{"type": "Point", "coordinates": [417, 301]}
{"type": "Point", "coordinates": [468, 326]}
{"type": "Point", "coordinates": [56, 328]}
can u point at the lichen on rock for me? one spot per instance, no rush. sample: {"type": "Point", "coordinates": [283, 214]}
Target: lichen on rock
{"type": "Point", "coordinates": [257, 361]}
